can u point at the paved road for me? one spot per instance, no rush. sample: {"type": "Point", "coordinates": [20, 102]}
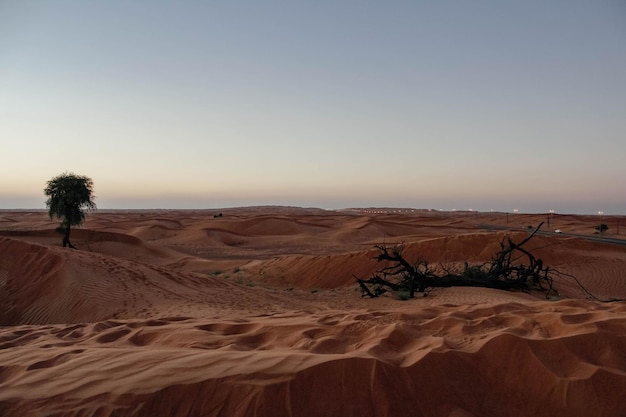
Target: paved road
{"type": "Point", "coordinates": [594, 238]}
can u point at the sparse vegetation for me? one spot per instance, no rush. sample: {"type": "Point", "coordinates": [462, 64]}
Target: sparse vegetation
{"type": "Point", "coordinates": [602, 228]}
{"type": "Point", "coordinates": [239, 280]}
{"type": "Point", "coordinates": [403, 295]}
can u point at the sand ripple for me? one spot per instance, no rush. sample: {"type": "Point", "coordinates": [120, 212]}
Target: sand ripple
{"type": "Point", "coordinates": [531, 358]}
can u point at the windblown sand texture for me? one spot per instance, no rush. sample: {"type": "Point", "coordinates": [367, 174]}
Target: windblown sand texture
{"type": "Point", "coordinates": [256, 313]}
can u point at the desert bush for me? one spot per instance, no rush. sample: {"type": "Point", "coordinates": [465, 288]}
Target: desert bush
{"type": "Point", "coordinates": [403, 295]}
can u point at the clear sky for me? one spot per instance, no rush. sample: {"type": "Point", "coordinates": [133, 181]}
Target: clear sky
{"type": "Point", "coordinates": [430, 104]}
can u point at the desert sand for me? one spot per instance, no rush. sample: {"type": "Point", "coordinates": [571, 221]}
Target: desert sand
{"type": "Point", "coordinates": [256, 313]}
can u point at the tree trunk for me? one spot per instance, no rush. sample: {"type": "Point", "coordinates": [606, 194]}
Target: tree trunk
{"type": "Point", "coordinates": [66, 238]}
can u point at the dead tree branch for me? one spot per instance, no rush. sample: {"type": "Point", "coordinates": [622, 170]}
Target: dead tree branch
{"type": "Point", "coordinates": [504, 272]}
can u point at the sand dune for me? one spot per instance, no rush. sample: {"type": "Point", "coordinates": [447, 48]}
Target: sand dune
{"type": "Point", "coordinates": [539, 359]}
{"type": "Point", "coordinates": [255, 313]}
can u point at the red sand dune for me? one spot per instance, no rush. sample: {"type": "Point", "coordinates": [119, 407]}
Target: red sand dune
{"type": "Point", "coordinates": [179, 313]}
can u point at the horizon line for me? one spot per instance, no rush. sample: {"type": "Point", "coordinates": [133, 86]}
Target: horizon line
{"type": "Point", "coordinates": [353, 208]}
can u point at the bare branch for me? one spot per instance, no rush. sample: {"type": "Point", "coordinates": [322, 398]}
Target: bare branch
{"type": "Point", "coordinates": [502, 272]}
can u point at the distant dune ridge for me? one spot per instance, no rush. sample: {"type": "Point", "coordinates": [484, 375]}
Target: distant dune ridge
{"type": "Point", "coordinates": [256, 313]}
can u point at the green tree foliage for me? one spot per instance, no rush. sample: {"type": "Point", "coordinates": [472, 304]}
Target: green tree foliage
{"type": "Point", "coordinates": [69, 195]}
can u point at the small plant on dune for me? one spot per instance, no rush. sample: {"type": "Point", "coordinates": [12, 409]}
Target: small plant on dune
{"type": "Point", "coordinates": [69, 196]}
{"type": "Point", "coordinates": [241, 281]}
{"type": "Point", "coordinates": [403, 295]}
{"type": "Point", "coordinates": [602, 228]}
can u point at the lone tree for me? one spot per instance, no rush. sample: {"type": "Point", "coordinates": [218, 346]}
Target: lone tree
{"type": "Point", "coordinates": [69, 195]}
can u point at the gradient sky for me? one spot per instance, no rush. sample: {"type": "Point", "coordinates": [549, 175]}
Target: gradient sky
{"type": "Point", "coordinates": [430, 104]}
